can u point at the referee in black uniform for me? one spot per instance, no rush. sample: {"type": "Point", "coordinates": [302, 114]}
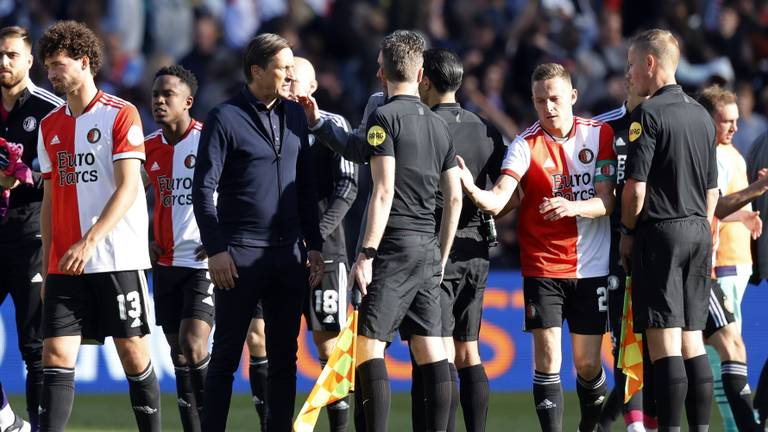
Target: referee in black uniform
{"type": "Point", "coordinates": [466, 271]}
{"type": "Point", "coordinates": [400, 265]}
{"type": "Point", "coordinates": [24, 105]}
{"type": "Point", "coordinates": [619, 119]}
{"type": "Point", "coordinates": [668, 200]}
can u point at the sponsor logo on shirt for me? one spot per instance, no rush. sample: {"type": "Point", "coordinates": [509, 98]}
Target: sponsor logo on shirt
{"type": "Point", "coordinates": [635, 130]}
{"type": "Point", "coordinates": [83, 165]}
{"type": "Point", "coordinates": [169, 185]}
{"type": "Point", "coordinates": [376, 135]}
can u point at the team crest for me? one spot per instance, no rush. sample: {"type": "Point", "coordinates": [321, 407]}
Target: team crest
{"type": "Point", "coordinates": [93, 136]}
{"type": "Point", "coordinates": [613, 282]}
{"type": "Point", "coordinates": [586, 156]}
{"type": "Point", "coordinates": [608, 170]}
{"type": "Point", "coordinates": [29, 124]}
{"type": "Point", "coordinates": [530, 311]}
{"type": "Point", "coordinates": [376, 135]}
{"type": "Point", "coordinates": [635, 130]}
{"type": "Point", "coordinates": [189, 161]}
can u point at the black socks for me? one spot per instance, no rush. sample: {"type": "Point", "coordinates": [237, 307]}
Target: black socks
{"type": "Point", "coordinates": [548, 399]}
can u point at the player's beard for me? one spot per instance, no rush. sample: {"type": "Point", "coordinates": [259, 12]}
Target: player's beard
{"type": "Point", "coordinates": [11, 80]}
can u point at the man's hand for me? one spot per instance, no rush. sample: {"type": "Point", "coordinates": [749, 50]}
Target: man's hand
{"type": "Point", "coordinates": [751, 220]}
{"type": "Point", "coordinates": [316, 267]}
{"type": "Point", "coordinates": [223, 271]}
{"type": "Point", "coordinates": [467, 180]}
{"type": "Point", "coordinates": [557, 208]}
{"type": "Point", "coordinates": [200, 253]}
{"type": "Point", "coordinates": [625, 252]}
{"type": "Point", "coordinates": [154, 251]}
{"type": "Point", "coordinates": [311, 110]}
{"type": "Point", "coordinates": [361, 273]}
{"type": "Point", "coordinates": [73, 261]}
{"type": "Point", "coordinates": [8, 182]}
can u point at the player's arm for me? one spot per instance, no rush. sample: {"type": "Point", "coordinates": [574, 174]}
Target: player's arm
{"type": "Point", "coordinates": [351, 145]}
{"type": "Point", "coordinates": [127, 179]}
{"type": "Point", "coordinates": [491, 201]}
{"type": "Point", "coordinates": [450, 186]}
{"type": "Point", "coordinates": [383, 174]}
{"type": "Point", "coordinates": [344, 193]}
{"type": "Point", "coordinates": [735, 201]}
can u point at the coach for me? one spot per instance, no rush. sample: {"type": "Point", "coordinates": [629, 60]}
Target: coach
{"type": "Point", "coordinates": [667, 205]}
{"type": "Point", "coordinates": [254, 150]}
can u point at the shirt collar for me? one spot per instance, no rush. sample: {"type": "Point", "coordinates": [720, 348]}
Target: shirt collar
{"type": "Point", "coordinates": [257, 103]}
{"type": "Point", "coordinates": [404, 97]}
{"type": "Point", "coordinates": [446, 105]}
{"type": "Point", "coordinates": [669, 88]}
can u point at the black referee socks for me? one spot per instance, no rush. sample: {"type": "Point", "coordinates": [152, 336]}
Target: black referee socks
{"type": "Point", "coordinates": [338, 412]}
{"type": "Point", "coordinates": [190, 419]}
{"type": "Point", "coordinates": [698, 402]}
{"type": "Point", "coordinates": [474, 390]}
{"type": "Point", "coordinates": [437, 392]}
{"type": "Point", "coordinates": [739, 394]}
{"type": "Point", "coordinates": [671, 384]}
{"type": "Point", "coordinates": [374, 388]}
{"type": "Point", "coordinates": [144, 391]}
{"type": "Point", "coordinates": [58, 395]}
{"type": "Point", "coordinates": [418, 400]}
{"type": "Point", "coordinates": [257, 375]}
{"type": "Point", "coordinates": [548, 398]}
{"type": "Point", "coordinates": [454, 405]}
{"type": "Point", "coordinates": [591, 397]}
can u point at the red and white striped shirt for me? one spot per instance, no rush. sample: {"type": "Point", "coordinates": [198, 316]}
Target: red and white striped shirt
{"type": "Point", "coordinates": [77, 155]}
{"type": "Point", "coordinates": [569, 247]}
{"type": "Point", "coordinates": [171, 167]}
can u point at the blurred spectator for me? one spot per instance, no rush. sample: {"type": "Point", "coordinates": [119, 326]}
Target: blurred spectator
{"type": "Point", "coordinates": [751, 124]}
{"type": "Point", "coordinates": [171, 27]}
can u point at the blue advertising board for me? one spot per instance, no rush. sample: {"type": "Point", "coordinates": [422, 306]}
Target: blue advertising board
{"type": "Point", "coordinates": [506, 350]}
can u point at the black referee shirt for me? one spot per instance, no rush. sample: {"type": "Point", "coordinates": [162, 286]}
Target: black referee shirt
{"type": "Point", "coordinates": [672, 149]}
{"type": "Point", "coordinates": [482, 148]}
{"type": "Point", "coordinates": [21, 127]}
{"type": "Point", "coordinates": [421, 144]}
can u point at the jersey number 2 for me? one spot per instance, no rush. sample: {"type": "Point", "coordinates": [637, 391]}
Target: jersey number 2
{"type": "Point", "coordinates": [602, 299]}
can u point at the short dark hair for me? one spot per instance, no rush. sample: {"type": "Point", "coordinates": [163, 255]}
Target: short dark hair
{"type": "Point", "coordinates": [713, 96]}
{"type": "Point", "coordinates": [547, 71]}
{"type": "Point", "coordinates": [659, 43]}
{"type": "Point", "coordinates": [186, 76]}
{"type": "Point", "coordinates": [444, 69]}
{"type": "Point", "coordinates": [74, 39]}
{"type": "Point", "coordinates": [260, 51]}
{"type": "Point", "coordinates": [402, 53]}
{"type": "Point", "coordinates": [16, 32]}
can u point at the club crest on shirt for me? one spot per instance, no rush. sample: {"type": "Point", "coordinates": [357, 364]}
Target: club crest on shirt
{"type": "Point", "coordinates": [29, 124]}
{"type": "Point", "coordinates": [93, 136]}
{"type": "Point", "coordinates": [586, 156]}
{"type": "Point", "coordinates": [635, 130]}
{"type": "Point", "coordinates": [189, 161]}
{"type": "Point", "coordinates": [376, 135]}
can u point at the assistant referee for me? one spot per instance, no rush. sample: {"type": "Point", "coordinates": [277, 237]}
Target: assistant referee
{"type": "Point", "coordinates": [667, 204]}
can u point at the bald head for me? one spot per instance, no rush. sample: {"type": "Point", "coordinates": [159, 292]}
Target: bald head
{"type": "Point", "coordinates": [660, 44]}
{"type": "Point", "coordinates": [304, 82]}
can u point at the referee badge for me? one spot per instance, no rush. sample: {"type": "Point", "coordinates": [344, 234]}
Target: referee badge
{"type": "Point", "coordinates": [29, 124]}
{"type": "Point", "coordinates": [376, 135]}
{"type": "Point", "coordinates": [635, 130]}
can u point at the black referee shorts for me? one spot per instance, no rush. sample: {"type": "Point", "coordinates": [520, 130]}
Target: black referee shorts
{"type": "Point", "coordinates": [21, 277]}
{"type": "Point", "coordinates": [671, 264]}
{"type": "Point", "coordinates": [463, 286]}
{"type": "Point", "coordinates": [405, 290]}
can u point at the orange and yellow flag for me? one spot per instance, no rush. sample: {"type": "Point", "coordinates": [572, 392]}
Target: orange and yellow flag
{"type": "Point", "coordinates": [630, 348]}
{"type": "Point", "coordinates": [335, 382]}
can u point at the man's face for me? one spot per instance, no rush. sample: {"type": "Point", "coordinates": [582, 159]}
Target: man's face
{"type": "Point", "coordinates": [553, 100]}
{"type": "Point", "coordinates": [15, 61]}
{"type": "Point", "coordinates": [170, 99]}
{"type": "Point", "coordinates": [65, 73]}
{"type": "Point", "coordinates": [725, 117]}
{"type": "Point", "coordinates": [277, 77]}
{"type": "Point", "coordinates": [638, 73]}
{"type": "Point", "coordinates": [380, 72]}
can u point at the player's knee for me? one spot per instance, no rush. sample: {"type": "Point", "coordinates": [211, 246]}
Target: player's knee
{"type": "Point", "coordinates": [466, 354]}
{"type": "Point", "coordinates": [256, 342]}
{"type": "Point", "coordinates": [729, 344]}
{"type": "Point", "coordinates": [587, 367]}
{"type": "Point", "coordinates": [193, 347]}
{"type": "Point", "coordinates": [133, 353]}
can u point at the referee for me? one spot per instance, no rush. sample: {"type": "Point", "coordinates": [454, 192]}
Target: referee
{"type": "Point", "coordinates": [667, 204]}
{"type": "Point", "coordinates": [24, 105]}
{"type": "Point", "coordinates": [400, 264]}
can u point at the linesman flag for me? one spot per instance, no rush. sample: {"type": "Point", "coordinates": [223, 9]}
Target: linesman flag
{"type": "Point", "coordinates": [630, 348]}
{"type": "Point", "coordinates": [337, 379]}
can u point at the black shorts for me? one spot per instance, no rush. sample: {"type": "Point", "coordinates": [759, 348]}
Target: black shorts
{"type": "Point", "coordinates": [181, 293]}
{"type": "Point", "coordinates": [96, 305]}
{"type": "Point", "coordinates": [326, 305]}
{"type": "Point", "coordinates": [671, 264]}
{"type": "Point", "coordinates": [617, 287]}
{"type": "Point", "coordinates": [720, 310]}
{"type": "Point", "coordinates": [258, 311]}
{"type": "Point", "coordinates": [464, 282]}
{"type": "Point", "coordinates": [583, 302]}
{"type": "Point", "coordinates": [20, 276]}
{"type": "Point", "coordinates": [405, 290]}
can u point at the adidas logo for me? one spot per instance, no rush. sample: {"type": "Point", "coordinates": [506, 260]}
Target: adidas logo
{"type": "Point", "coordinates": [55, 140]}
{"type": "Point", "coordinates": [155, 167]}
{"type": "Point", "coordinates": [745, 391]}
{"type": "Point", "coordinates": [37, 278]}
{"type": "Point", "coordinates": [329, 320]}
{"type": "Point", "coordinates": [145, 409]}
{"type": "Point", "coordinates": [599, 401]}
{"type": "Point", "coordinates": [208, 300]}
{"type": "Point", "coordinates": [548, 163]}
{"type": "Point", "coordinates": [545, 405]}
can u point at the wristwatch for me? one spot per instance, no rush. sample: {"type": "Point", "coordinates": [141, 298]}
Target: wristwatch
{"type": "Point", "coordinates": [625, 230]}
{"type": "Point", "coordinates": [369, 252]}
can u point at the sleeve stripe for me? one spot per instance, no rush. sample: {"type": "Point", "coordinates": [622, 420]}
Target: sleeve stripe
{"type": "Point", "coordinates": [46, 175]}
{"type": "Point", "coordinates": [128, 155]}
{"type": "Point", "coordinates": [511, 173]}
{"type": "Point", "coordinates": [48, 97]}
{"type": "Point", "coordinates": [611, 115]}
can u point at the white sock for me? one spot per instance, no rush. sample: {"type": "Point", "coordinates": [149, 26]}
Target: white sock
{"type": "Point", "coordinates": [6, 416]}
{"type": "Point", "coordinates": [636, 427]}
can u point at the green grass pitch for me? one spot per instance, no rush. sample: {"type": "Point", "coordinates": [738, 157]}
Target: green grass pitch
{"type": "Point", "coordinates": [508, 412]}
